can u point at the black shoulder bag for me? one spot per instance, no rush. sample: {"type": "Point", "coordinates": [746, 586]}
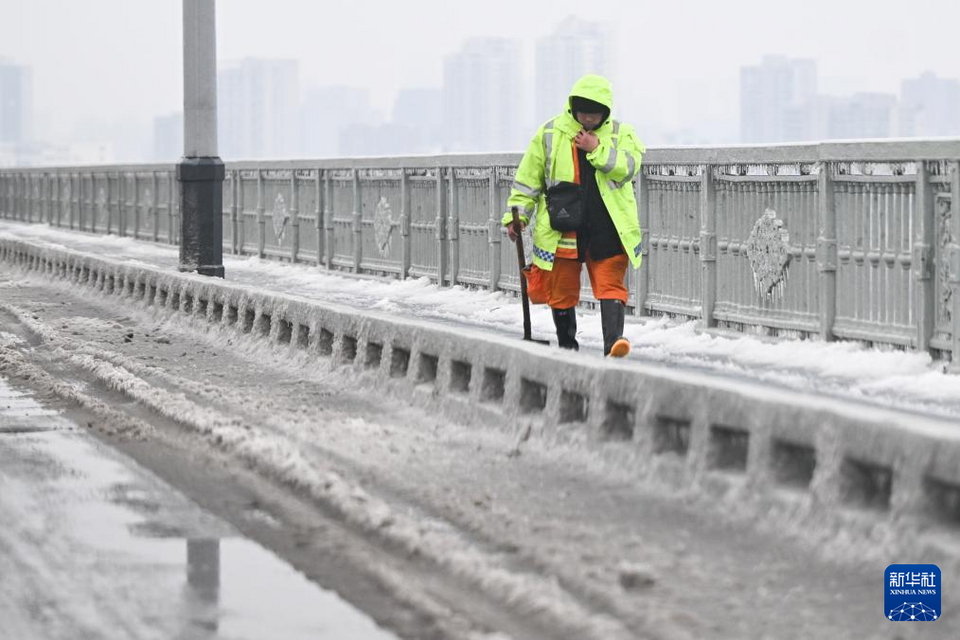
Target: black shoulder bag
{"type": "Point", "coordinates": [564, 206]}
{"type": "Point", "coordinates": [564, 201]}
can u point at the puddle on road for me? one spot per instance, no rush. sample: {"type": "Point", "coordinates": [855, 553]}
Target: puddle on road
{"type": "Point", "coordinates": [149, 551]}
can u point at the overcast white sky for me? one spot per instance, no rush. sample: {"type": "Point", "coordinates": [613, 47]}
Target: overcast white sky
{"type": "Point", "coordinates": [121, 59]}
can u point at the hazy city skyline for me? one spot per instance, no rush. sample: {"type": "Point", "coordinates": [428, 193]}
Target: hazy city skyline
{"type": "Point", "coordinates": [677, 69]}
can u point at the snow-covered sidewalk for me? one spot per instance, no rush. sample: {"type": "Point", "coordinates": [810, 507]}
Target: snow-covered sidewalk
{"type": "Point", "coordinates": [887, 377]}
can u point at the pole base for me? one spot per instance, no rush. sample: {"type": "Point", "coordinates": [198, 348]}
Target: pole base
{"type": "Point", "coordinates": [201, 215]}
{"type": "Point", "coordinates": [204, 270]}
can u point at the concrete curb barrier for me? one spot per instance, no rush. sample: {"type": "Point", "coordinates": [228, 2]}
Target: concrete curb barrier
{"type": "Point", "coordinates": [759, 448]}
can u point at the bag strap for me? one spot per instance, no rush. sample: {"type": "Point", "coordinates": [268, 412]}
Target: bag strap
{"type": "Point", "coordinates": [576, 163]}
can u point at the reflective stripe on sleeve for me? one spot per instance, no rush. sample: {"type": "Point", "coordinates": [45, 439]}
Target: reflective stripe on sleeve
{"type": "Point", "coordinates": [525, 190]}
{"type": "Point", "coordinates": [631, 172]}
{"type": "Point", "coordinates": [611, 161]}
{"type": "Point", "coordinates": [548, 150]}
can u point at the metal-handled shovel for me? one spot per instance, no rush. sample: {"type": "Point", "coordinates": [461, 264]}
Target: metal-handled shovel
{"type": "Point", "coordinates": [523, 280]}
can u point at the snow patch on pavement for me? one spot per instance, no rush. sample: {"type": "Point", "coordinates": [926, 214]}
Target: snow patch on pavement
{"type": "Point", "coordinates": [884, 376]}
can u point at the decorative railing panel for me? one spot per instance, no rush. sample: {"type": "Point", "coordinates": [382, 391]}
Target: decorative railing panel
{"type": "Point", "coordinates": [309, 214]}
{"type": "Point", "coordinates": [672, 238]}
{"type": "Point", "coordinates": [767, 226]}
{"type": "Point", "coordinates": [838, 240]}
{"type": "Point", "coordinates": [875, 217]}
{"type": "Point", "coordinates": [382, 211]}
{"type": "Point", "coordinates": [473, 202]}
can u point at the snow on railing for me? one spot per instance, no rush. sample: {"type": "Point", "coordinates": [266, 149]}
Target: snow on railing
{"type": "Point", "coordinates": [850, 240]}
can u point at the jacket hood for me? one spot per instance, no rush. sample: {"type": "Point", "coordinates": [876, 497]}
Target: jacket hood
{"type": "Point", "coordinates": [596, 88]}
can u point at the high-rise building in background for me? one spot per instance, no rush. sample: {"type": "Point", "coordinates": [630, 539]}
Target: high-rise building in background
{"type": "Point", "coordinates": [930, 106]}
{"type": "Point", "coordinates": [419, 108]}
{"type": "Point", "coordinates": [418, 118]}
{"type": "Point", "coordinates": [15, 102]}
{"type": "Point", "coordinates": [257, 107]}
{"type": "Point", "coordinates": [482, 105]}
{"type": "Point", "coordinates": [168, 138]}
{"type": "Point", "coordinates": [861, 116]}
{"type": "Point", "coordinates": [575, 48]}
{"type": "Point", "coordinates": [328, 114]}
{"type": "Point", "coordinates": [777, 100]}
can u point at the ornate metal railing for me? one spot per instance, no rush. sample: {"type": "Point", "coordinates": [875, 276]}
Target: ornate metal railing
{"type": "Point", "coordinates": [836, 240]}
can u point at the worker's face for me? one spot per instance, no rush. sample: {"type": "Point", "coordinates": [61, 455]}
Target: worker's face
{"type": "Point", "coordinates": [589, 120]}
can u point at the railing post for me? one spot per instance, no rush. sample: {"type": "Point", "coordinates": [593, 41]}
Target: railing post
{"type": "Point", "coordinates": [122, 203]}
{"type": "Point", "coordinates": [69, 200]}
{"type": "Point", "coordinates": [441, 230]}
{"type": "Point", "coordinates": [80, 215]}
{"type": "Point", "coordinates": [708, 247]}
{"type": "Point", "coordinates": [406, 239]}
{"type": "Point", "coordinates": [328, 228]}
{"type": "Point", "coordinates": [954, 257]}
{"type": "Point", "coordinates": [47, 197]}
{"type": "Point", "coordinates": [24, 199]}
{"type": "Point", "coordinates": [827, 251]}
{"type": "Point", "coordinates": [174, 200]}
{"type": "Point", "coordinates": [643, 275]}
{"type": "Point", "coordinates": [130, 213]}
{"type": "Point", "coordinates": [135, 205]}
{"type": "Point", "coordinates": [111, 214]}
{"type": "Point", "coordinates": [61, 200]}
{"type": "Point", "coordinates": [357, 223]}
{"type": "Point", "coordinates": [923, 224]}
{"type": "Point", "coordinates": [39, 199]}
{"type": "Point", "coordinates": [66, 211]}
{"type": "Point", "coordinates": [261, 221]}
{"type": "Point", "coordinates": [236, 210]}
{"type": "Point", "coordinates": [76, 206]}
{"type": "Point", "coordinates": [155, 205]}
{"type": "Point", "coordinates": [453, 229]}
{"type": "Point", "coordinates": [318, 215]}
{"type": "Point", "coordinates": [50, 199]}
{"type": "Point", "coordinates": [28, 196]}
{"type": "Point", "coordinates": [494, 234]}
{"type": "Point", "coordinates": [294, 218]}
{"type": "Point", "coordinates": [51, 195]}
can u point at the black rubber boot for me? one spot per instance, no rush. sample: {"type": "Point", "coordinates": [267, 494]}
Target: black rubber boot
{"type": "Point", "coordinates": [566, 322]}
{"type": "Point", "coordinates": [612, 313]}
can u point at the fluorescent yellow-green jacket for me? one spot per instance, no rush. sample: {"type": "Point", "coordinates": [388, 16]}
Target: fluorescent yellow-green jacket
{"type": "Point", "coordinates": [549, 160]}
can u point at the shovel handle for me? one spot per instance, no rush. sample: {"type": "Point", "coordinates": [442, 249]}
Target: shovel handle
{"type": "Point", "coordinates": [527, 332]}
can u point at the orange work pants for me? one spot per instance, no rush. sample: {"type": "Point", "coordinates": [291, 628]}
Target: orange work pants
{"type": "Point", "coordinates": [606, 280]}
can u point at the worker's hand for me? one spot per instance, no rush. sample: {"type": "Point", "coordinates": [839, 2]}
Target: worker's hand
{"type": "Point", "coordinates": [587, 140]}
{"type": "Point", "coordinates": [511, 232]}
